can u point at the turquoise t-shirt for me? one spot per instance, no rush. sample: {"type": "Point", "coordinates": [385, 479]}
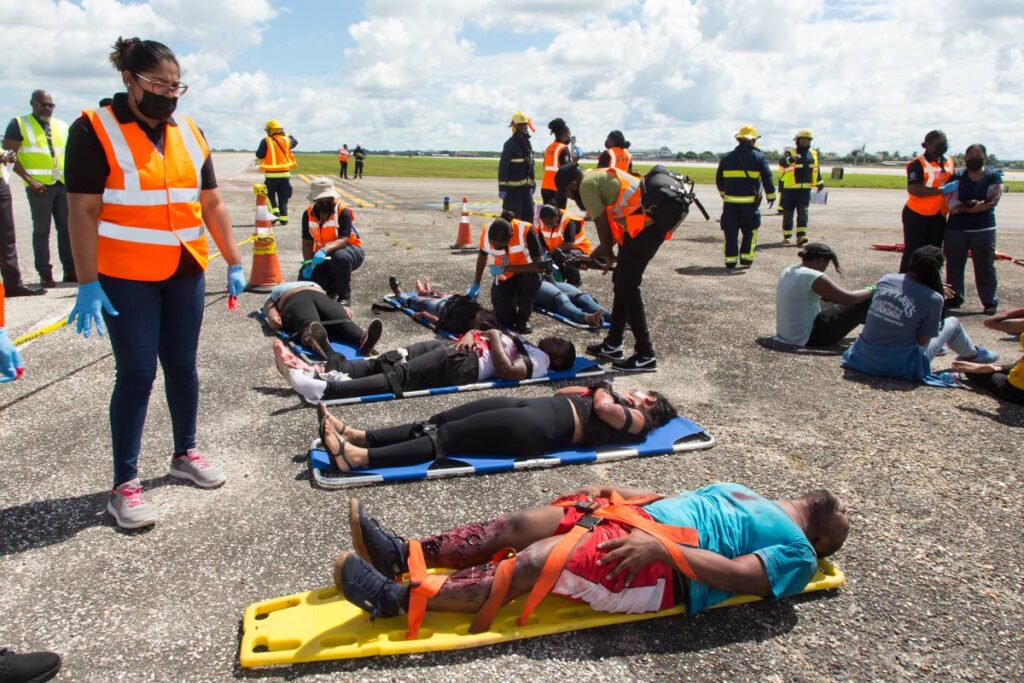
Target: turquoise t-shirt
{"type": "Point", "coordinates": [732, 521]}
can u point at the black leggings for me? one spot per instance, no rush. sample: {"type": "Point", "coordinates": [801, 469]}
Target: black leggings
{"type": "Point", "coordinates": [836, 321]}
{"type": "Point", "coordinates": [302, 308]}
{"type": "Point", "coordinates": [998, 383]}
{"type": "Point", "coordinates": [429, 364]}
{"type": "Point", "coordinates": [500, 425]}
{"type": "Point", "coordinates": [628, 304]}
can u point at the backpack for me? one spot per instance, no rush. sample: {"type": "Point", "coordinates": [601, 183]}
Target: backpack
{"type": "Point", "coordinates": [665, 197]}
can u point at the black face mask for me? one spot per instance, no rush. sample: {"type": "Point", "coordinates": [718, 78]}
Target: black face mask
{"type": "Point", "coordinates": [159, 107]}
{"type": "Point", "coordinates": [974, 164]}
{"type": "Point", "coordinates": [941, 148]}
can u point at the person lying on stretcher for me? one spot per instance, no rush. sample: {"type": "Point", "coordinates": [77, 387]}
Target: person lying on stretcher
{"type": "Point", "coordinates": [303, 309]}
{"type": "Point", "coordinates": [478, 356]}
{"type": "Point", "coordinates": [502, 425]}
{"type": "Point", "coordinates": [616, 549]}
{"type": "Point", "coordinates": [452, 313]}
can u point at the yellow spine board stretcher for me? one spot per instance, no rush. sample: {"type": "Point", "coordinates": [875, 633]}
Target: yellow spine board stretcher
{"type": "Point", "coordinates": [319, 625]}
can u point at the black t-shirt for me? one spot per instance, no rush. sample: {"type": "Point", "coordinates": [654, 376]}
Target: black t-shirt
{"type": "Point", "coordinates": [344, 224]}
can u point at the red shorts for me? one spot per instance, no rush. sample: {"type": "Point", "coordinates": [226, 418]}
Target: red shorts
{"type": "Point", "coordinates": [583, 579]}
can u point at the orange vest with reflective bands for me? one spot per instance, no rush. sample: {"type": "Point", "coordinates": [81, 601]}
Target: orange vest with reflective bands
{"type": "Point", "coordinates": [342, 155]}
{"type": "Point", "coordinates": [151, 203]}
{"type": "Point", "coordinates": [551, 166]}
{"type": "Point", "coordinates": [325, 232]}
{"type": "Point", "coordinates": [279, 155]}
{"type": "Point", "coordinates": [627, 214]}
{"type": "Point", "coordinates": [620, 158]}
{"type": "Point", "coordinates": [553, 237]}
{"type": "Point", "coordinates": [935, 175]}
{"type": "Point", "coordinates": [515, 254]}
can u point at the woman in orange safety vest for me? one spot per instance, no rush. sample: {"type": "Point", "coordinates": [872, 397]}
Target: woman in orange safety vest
{"type": "Point", "coordinates": [616, 153]}
{"type": "Point", "coordinates": [556, 154]}
{"type": "Point", "coordinates": [929, 180]}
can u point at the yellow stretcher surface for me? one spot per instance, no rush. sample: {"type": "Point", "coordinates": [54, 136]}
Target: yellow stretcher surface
{"type": "Point", "coordinates": [319, 625]}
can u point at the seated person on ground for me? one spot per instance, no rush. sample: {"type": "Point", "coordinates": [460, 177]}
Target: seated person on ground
{"type": "Point", "coordinates": [563, 233]}
{"type": "Point", "coordinates": [293, 307]}
{"type": "Point", "coordinates": [570, 302]}
{"type": "Point", "coordinates": [800, 319]}
{"type": "Point", "coordinates": [904, 329]}
{"type": "Point", "coordinates": [502, 425]}
{"type": "Point", "coordinates": [745, 545]}
{"type": "Point", "coordinates": [329, 241]}
{"type": "Point", "coordinates": [1007, 381]}
{"type": "Point", "coordinates": [478, 356]}
{"type": "Point", "coordinates": [452, 313]}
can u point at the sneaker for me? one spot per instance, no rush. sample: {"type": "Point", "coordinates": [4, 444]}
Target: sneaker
{"type": "Point", "coordinates": [953, 304]}
{"type": "Point", "coordinates": [393, 284]}
{"type": "Point", "coordinates": [524, 328]}
{"type": "Point", "coordinates": [129, 510]}
{"type": "Point", "coordinates": [315, 338]}
{"type": "Point", "coordinates": [981, 355]}
{"type": "Point", "coordinates": [367, 588]}
{"type": "Point", "coordinates": [31, 667]}
{"type": "Point", "coordinates": [47, 282]}
{"type": "Point", "coordinates": [193, 467]}
{"type": "Point", "coordinates": [991, 310]}
{"type": "Point", "coordinates": [603, 350]}
{"type": "Point", "coordinates": [386, 551]}
{"type": "Point", "coordinates": [344, 301]}
{"type": "Point", "coordinates": [371, 337]}
{"type": "Point", "coordinates": [637, 363]}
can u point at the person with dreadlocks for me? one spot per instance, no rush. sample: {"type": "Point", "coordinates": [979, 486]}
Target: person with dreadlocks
{"type": "Point", "coordinates": [800, 318]}
{"type": "Point", "coordinates": [904, 330]}
{"type": "Point", "coordinates": [555, 155]}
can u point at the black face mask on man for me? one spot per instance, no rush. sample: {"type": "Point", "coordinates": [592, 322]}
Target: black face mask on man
{"type": "Point", "coordinates": [974, 164]}
{"type": "Point", "coordinates": [941, 148]}
{"type": "Point", "coordinates": [153, 106]}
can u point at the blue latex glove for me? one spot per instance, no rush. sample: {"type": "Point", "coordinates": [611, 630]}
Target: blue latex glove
{"type": "Point", "coordinates": [502, 194]}
{"type": "Point", "coordinates": [998, 173]}
{"type": "Point", "coordinates": [307, 272]}
{"type": "Point", "coordinates": [89, 306]}
{"type": "Point", "coordinates": [236, 280]}
{"type": "Point", "coordinates": [10, 359]}
{"type": "Point", "coordinates": [950, 187]}
{"type": "Point", "coordinates": [319, 257]}
{"type": "Point", "coordinates": [495, 270]}
{"type": "Point", "coordinates": [473, 291]}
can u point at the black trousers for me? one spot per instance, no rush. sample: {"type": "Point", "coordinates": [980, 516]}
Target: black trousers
{"type": "Point", "coordinates": [551, 197]}
{"type": "Point", "coordinates": [998, 383]}
{"type": "Point", "coordinates": [359, 169]}
{"type": "Point", "coordinates": [302, 308]}
{"type": "Point", "coordinates": [628, 306]}
{"type": "Point", "coordinates": [797, 200]}
{"type": "Point", "coordinates": [500, 425]}
{"type": "Point", "coordinates": [8, 251]}
{"type": "Point", "coordinates": [430, 364]}
{"type": "Point", "coordinates": [519, 200]}
{"type": "Point", "coordinates": [343, 169]}
{"type": "Point", "coordinates": [836, 321]}
{"type": "Point", "coordinates": [513, 298]}
{"type": "Point", "coordinates": [919, 231]}
{"type": "Point", "coordinates": [279, 191]}
{"type": "Point", "coordinates": [737, 219]}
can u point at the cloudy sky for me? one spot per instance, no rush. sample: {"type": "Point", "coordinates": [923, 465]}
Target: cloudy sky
{"type": "Point", "coordinates": [449, 73]}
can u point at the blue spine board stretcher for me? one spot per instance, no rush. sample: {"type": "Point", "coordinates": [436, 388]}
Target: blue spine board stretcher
{"type": "Point", "coordinates": [562, 319]}
{"type": "Point", "coordinates": [676, 436]}
{"type": "Point", "coordinates": [411, 313]}
{"type": "Point", "coordinates": [348, 351]}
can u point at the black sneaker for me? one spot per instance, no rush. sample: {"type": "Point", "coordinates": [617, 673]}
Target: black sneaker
{"type": "Point", "coordinates": [371, 337]}
{"type": "Point", "coordinates": [315, 339]}
{"type": "Point", "coordinates": [637, 363]}
{"type": "Point", "coordinates": [991, 310]}
{"type": "Point", "coordinates": [386, 551]}
{"type": "Point", "coordinates": [393, 284]}
{"type": "Point", "coordinates": [603, 350]}
{"type": "Point", "coordinates": [31, 667]}
{"type": "Point", "coordinates": [524, 328]}
{"type": "Point", "coordinates": [367, 588]}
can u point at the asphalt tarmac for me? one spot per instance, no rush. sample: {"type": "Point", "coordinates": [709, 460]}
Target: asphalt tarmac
{"type": "Point", "coordinates": [932, 476]}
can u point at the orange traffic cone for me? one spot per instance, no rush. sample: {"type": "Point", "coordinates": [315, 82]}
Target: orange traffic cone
{"type": "Point", "coordinates": [464, 239]}
{"type": "Point", "coordinates": [265, 271]}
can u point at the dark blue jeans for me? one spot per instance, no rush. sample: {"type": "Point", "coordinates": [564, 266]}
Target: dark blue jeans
{"type": "Point", "coordinates": [567, 301]}
{"type": "Point", "coordinates": [430, 304]}
{"type": "Point", "coordinates": [156, 320]}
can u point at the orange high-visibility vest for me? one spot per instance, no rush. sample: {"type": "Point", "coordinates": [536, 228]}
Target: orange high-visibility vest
{"type": "Point", "coordinates": [150, 200]}
{"type": "Point", "coordinates": [279, 155]}
{"type": "Point", "coordinates": [342, 154]}
{"type": "Point", "coordinates": [626, 214]}
{"type": "Point", "coordinates": [515, 254]}
{"type": "Point", "coordinates": [620, 158]}
{"type": "Point", "coordinates": [551, 156]}
{"type": "Point", "coordinates": [553, 237]}
{"type": "Point", "coordinates": [935, 175]}
{"type": "Point", "coordinates": [2, 295]}
{"type": "Point", "coordinates": [327, 231]}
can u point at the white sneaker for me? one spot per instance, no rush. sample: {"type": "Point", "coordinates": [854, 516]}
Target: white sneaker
{"type": "Point", "coordinates": [127, 507]}
{"type": "Point", "coordinates": [197, 470]}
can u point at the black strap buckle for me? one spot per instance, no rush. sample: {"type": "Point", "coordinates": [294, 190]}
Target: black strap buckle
{"type": "Point", "coordinates": [588, 522]}
{"type": "Point", "coordinates": [585, 506]}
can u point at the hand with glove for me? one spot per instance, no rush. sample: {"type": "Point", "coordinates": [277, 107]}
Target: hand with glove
{"type": "Point", "coordinates": [319, 257]}
{"type": "Point", "coordinates": [951, 187]}
{"type": "Point", "coordinates": [236, 281]}
{"type": "Point", "coordinates": [495, 269]}
{"type": "Point", "coordinates": [89, 306]}
{"type": "Point", "coordinates": [473, 291]}
{"type": "Point", "coordinates": [10, 359]}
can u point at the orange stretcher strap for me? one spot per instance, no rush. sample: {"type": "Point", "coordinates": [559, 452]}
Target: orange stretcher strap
{"type": "Point", "coordinates": [424, 586]}
{"type": "Point", "coordinates": [552, 569]}
{"type": "Point", "coordinates": [506, 559]}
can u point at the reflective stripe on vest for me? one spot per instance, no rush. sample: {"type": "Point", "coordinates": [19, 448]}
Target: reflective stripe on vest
{"type": "Point", "coordinates": [325, 232]}
{"type": "Point", "coordinates": [279, 157]}
{"type": "Point", "coordinates": [935, 176]}
{"type": "Point", "coordinates": [551, 165]}
{"type": "Point", "coordinates": [34, 152]}
{"type": "Point", "coordinates": [620, 158]}
{"type": "Point", "coordinates": [554, 237]}
{"type": "Point", "coordinates": [151, 206]}
{"type": "Point", "coordinates": [789, 173]}
{"type": "Point", "coordinates": [514, 254]}
{"type": "Point", "coordinates": [625, 214]}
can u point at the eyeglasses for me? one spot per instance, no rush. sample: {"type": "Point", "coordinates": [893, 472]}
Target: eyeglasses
{"type": "Point", "coordinates": [162, 88]}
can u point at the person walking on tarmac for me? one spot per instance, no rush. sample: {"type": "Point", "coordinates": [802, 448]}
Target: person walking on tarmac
{"type": "Point", "coordinates": [330, 241]}
{"type": "Point", "coordinates": [616, 153]}
{"type": "Point", "coordinates": [612, 197]}
{"type": "Point", "coordinates": [142, 193]}
{"type": "Point", "coordinates": [343, 155]}
{"type": "Point", "coordinates": [740, 176]}
{"type": "Point", "coordinates": [929, 180]}
{"type": "Point", "coordinates": [276, 162]}
{"type": "Point", "coordinates": [556, 154]}
{"type": "Point", "coordinates": [516, 179]}
{"type": "Point", "coordinates": [360, 156]}
{"type": "Point", "coordinates": [517, 255]}
{"type": "Point", "coordinates": [800, 172]}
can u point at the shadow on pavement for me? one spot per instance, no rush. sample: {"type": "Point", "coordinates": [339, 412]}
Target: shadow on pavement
{"type": "Point", "coordinates": [880, 383]}
{"type": "Point", "coordinates": [775, 345]}
{"type": "Point", "coordinates": [710, 270]}
{"type": "Point", "coordinates": [1005, 414]}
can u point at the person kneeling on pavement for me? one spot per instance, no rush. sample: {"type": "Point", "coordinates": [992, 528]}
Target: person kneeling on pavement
{"type": "Point", "coordinates": [517, 263]}
{"type": "Point", "coordinates": [648, 553]}
{"type": "Point", "coordinates": [478, 356]}
{"type": "Point", "coordinates": [293, 307]}
{"type": "Point", "coordinates": [330, 242]}
{"type": "Point", "coordinates": [800, 319]}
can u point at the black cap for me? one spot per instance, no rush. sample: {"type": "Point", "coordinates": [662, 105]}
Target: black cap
{"type": "Point", "coordinates": [565, 175]}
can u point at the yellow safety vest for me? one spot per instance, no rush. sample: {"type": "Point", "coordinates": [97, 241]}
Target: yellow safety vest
{"type": "Point", "coordinates": [789, 173]}
{"type": "Point", "coordinates": [34, 152]}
